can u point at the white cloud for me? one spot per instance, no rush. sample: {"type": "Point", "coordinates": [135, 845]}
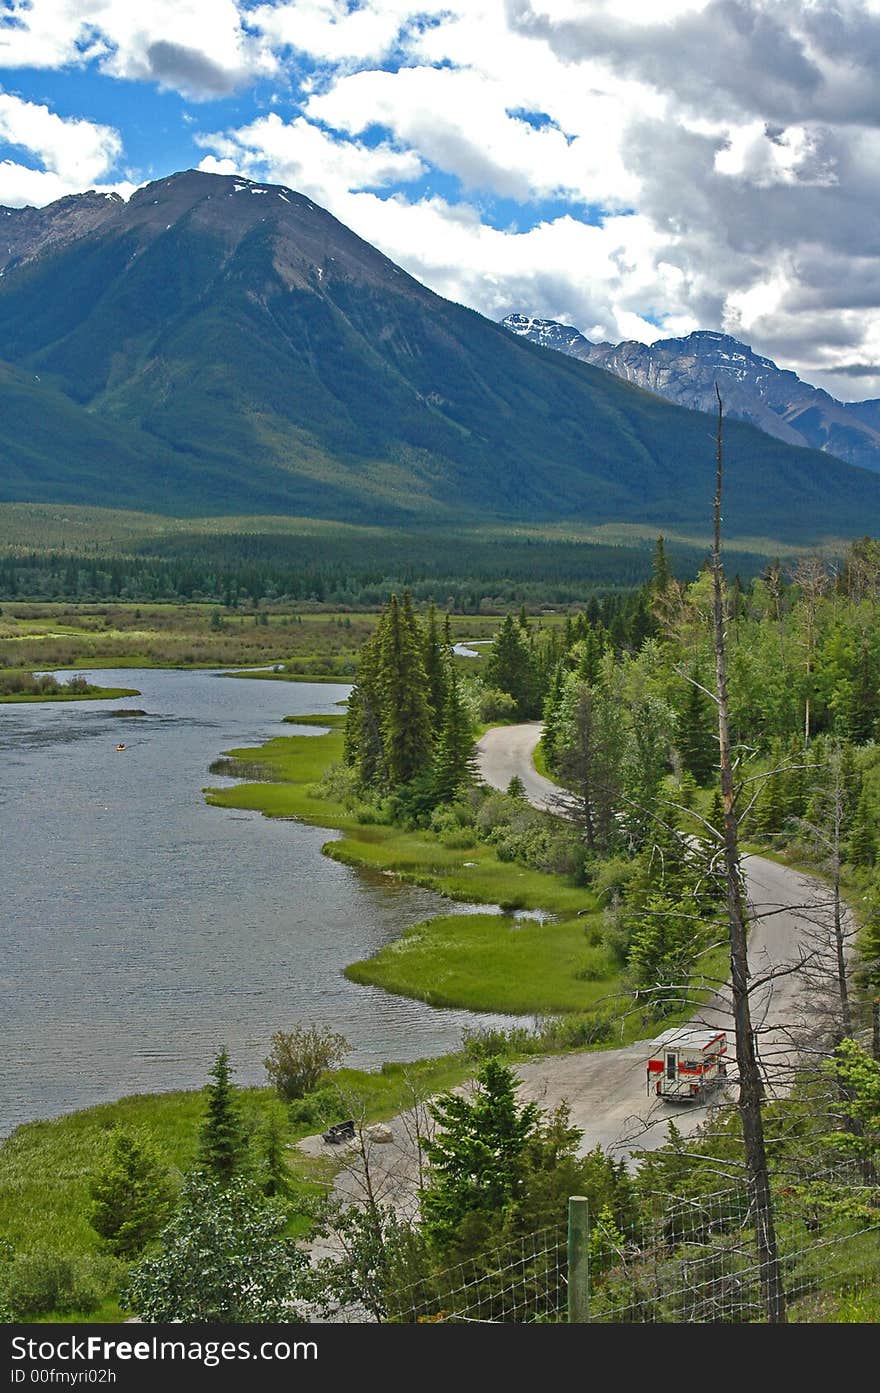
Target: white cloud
{"type": "Point", "coordinates": [725, 152]}
{"type": "Point", "coordinates": [75, 154]}
{"type": "Point", "coordinates": [304, 157]}
{"type": "Point", "coordinates": [198, 47]}
{"type": "Point", "coordinates": [468, 124]}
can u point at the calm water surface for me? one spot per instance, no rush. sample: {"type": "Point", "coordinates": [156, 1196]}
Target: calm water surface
{"type": "Point", "coordinates": [141, 930]}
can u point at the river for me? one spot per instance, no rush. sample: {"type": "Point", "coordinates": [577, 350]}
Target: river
{"type": "Point", "coordinates": [142, 929]}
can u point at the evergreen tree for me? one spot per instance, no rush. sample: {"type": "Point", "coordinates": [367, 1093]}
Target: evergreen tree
{"type": "Point", "coordinates": [660, 573]}
{"type": "Point", "coordinates": [223, 1146]}
{"type": "Point", "coordinates": [437, 663]}
{"type": "Point", "coordinates": [697, 739]}
{"type": "Point", "coordinates": [510, 667]}
{"type": "Point", "coordinates": [553, 712]}
{"type": "Point", "coordinates": [406, 714]}
{"type": "Point", "coordinates": [664, 944]}
{"type": "Point", "coordinates": [862, 845]}
{"type": "Point", "coordinates": [477, 1155]}
{"type": "Point", "coordinates": [591, 651]}
{"type": "Point", "coordinates": [454, 757]}
{"type": "Point", "coordinates": [273, 1163]}
{"type": "Point", "coordinates": [131, 1195]}
{"type": "Point", "coordinates": [363, 748]}
{"type": "Point", "coordinates": [859, 699]}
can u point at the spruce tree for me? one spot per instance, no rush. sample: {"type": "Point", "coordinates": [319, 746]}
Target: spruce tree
{"type": "Point", "coordinates": [363, 748]}
{"type": "Point", "coordinates": [454, 758]}
{"type": "Point", "coordinates": [660, 573]}
{"type": "Point", "coordinates": [223, 1146]}
{"type": "Point", "coordinates": [553, 713]}
{"type": "Point", "coordinates": [131, 1195]}
{"type": "Point", "coordinates": [697, 739]}
{"type": "Point", "coordinates": [862, 845]}
{"type": "Point", "coordinates": [477, 1154]}
{"type": "Point", "coordinates": [406, 714]}
{"type": "Point", "coordinates": [510, 667]}
{"type": "Point", "coordinates": [437, 662]}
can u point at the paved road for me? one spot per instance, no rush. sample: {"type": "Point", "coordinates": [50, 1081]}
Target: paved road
{"type": "Point", "coordinates": [606, 1090]}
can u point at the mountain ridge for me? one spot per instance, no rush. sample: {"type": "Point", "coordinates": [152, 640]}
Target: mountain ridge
{"type": "Point", "coordinates": [248, 353]}
{"type": "Point", "coordinates": [684, 370]}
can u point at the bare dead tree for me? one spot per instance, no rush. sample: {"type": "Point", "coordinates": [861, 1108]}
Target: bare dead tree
{"type": "Point", "coordinates": [813, 579]}
{"type": "Point", "coordinates": [750, 1082]}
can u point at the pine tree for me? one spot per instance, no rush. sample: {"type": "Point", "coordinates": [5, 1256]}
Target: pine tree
{"type": "Point", "coordinates": [363, 748]}
{"type": "Point", "coordinates": [477, 1153]}
{"type": "Point", "coordinates": [697, 739]}
{"type": "Point", "coordinates": [591, 653]}
{"type": "Point", "coordinates": [862, 845]}
{"type": "Point", "coordinates": [223, 1146]}
{"type": "Point", "coordinates": [454, 759]}
{"type": "Point", "coordinates": [510, 667]}
{"type": "Point", "coordinates": [406, 714]}
{"type": "Point", "coordinates": [859, 699]}
{"type": "Point", "coordinates": [660, 573]}
{"type": "Point", "coordinates": [436, 660]}
{"type": "Point", "coordinates": [553, 710]}
{"type": "Point", "coordinates": [131, 1195]}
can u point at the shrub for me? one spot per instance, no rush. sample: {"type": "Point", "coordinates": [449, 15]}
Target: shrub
{"type": "Point", "coordinates": [300, 1056]}
{"type": "Point", "coordinates": [484, 1042]}
{"type": "Point", "coordinates": [323, 1106]}
{"type": "Point", "coordinates": [496, 705]}
{"type": "Point", "coordinates": [338, 785]}
{"type": "Point", "coordinates": [40, 1280]}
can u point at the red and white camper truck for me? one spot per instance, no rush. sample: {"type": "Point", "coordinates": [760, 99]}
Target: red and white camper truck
{"type": "Point", "coordinates": [685, 1061]}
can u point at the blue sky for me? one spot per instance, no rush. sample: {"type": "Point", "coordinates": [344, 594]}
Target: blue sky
{"type": "Point", "coordinates": [636, 169]}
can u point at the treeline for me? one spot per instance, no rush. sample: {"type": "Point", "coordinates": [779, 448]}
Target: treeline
{"type": "Point", "coordinates": [459, 574]}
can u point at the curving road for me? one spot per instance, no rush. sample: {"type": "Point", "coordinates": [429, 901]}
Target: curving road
{"type": "Point", "coordinates": [606, 1090]}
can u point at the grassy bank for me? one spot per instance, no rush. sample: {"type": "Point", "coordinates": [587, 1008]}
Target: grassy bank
{"type": "Point", "coordinates": [480, 962]}
{"type": "Point", "coordinates": [308, 643]}
{"type": "Point", "coordinates": [93, 694]}
{"type": "Point", "coordinates": [522, 965]}
{"type": "Point", "coordinates": [46, 1168]}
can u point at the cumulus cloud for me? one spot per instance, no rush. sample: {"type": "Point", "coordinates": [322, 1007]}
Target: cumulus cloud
{"type": "Point", "coordinates": [201, 48]}
{"type": "Point", "coordinates": [302, 156]}
{"type": "Point", "coordinates": [637, 169]}
{"type": "Point", "coordinates": [75, 154]}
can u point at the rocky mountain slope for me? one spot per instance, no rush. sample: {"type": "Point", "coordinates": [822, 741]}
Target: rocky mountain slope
{"type": "Point", "coordinates": [754, 389]}
{"type": "Point", "coordinates": [215, 345]}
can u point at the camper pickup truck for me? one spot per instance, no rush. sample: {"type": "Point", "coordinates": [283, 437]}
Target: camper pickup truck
{"type": "Point", "coordinates": [685, 1061]}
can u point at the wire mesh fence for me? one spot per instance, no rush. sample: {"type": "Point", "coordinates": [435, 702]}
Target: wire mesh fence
{"type": "Point", "coordinates": [691, 1259]}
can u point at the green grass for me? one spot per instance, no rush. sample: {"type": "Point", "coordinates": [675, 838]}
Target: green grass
{"type": "Point", "coordinates": [476, 962]}
{"type": "Point", "coordinates": [95, 694]}
{"type": "Point", "coordinates": [46, 1167]}
{"type": "Point", "coordinates": [492, 962]}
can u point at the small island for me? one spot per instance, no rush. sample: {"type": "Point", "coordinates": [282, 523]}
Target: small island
{"type": "Point", "coordinates": [29, 686]}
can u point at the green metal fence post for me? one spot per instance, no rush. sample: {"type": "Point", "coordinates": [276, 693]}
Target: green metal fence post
{"type": "Point", "coordinates": [578, 1259]}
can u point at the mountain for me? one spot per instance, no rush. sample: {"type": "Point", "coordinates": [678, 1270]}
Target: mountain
{"type": "Point", "coordinates": [754, 389]}
{"type": "Point", "coordinates": [215, 345]}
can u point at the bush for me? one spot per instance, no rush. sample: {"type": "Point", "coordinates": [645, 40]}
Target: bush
{"type": "Point", "coordinates": [300, 1056]}
{"type": "Point", "coordinates": [485, 1042]}
{"type": "Point", "coordinates": [496, 705]}
{"type": "Point", "coordinates": [321, 1107]}
{"type": "Point", "coordinates": [40, 1281]}
{"type": "Point", "coordinates": [339, 785]}
{"type": "Point", "coordinates": [574, 1032]}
